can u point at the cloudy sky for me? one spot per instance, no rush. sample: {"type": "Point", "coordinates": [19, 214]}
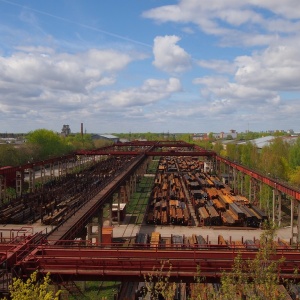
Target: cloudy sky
{"type": "Point", "coordinates": [150, 66]}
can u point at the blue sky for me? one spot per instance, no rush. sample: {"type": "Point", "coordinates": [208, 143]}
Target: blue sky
{"type": "Point", "coordinates": [150, 66]}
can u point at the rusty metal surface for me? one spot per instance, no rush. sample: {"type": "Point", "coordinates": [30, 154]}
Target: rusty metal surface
{"type": "Point", "coordinates": [112, 262]}
{"type": "Point", "coordinates": [274, 183]}
{"type": "Point", "coordinates": [76, 223]}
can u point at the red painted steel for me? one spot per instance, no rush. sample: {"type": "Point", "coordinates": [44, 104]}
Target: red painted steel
{"type": "Point", "coordinates": [86, 262]}
{"type": "Point", "coordinates": [280, 186]}
{"type": "Point", "coordinates": [76, 222]}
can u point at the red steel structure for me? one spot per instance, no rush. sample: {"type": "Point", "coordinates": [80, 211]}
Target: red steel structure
{"type": "Point", "coordinates": [110, 261]}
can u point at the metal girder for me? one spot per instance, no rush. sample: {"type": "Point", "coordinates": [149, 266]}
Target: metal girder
{"type": "Point", "coordinates": [282, 187]}
{"type": "Point", "coordinates": [75, 223]}
{"type": "Point", "coordinates": [85, 263]}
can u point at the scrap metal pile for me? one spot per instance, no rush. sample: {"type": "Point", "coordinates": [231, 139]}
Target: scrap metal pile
{"type": "Point", "coordinates": [182, 180]}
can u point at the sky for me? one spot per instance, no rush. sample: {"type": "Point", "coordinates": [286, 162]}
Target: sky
{"type": "Point", "coordinates": [121, 66]}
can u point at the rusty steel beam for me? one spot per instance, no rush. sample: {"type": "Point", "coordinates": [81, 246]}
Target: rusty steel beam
{"type": "Point", "coordinates": [278, 185]}
{"type": "Point", "coordinates": [13, 170]}
{"type": "Point", "coordinates": [180, 153]}
{"type": "Point", "coordinates": [116, 262]}
{"type": "Point", "coordinates": [76, 223]}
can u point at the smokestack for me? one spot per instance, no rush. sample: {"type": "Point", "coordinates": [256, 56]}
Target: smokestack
{"type": "Point", "coordinates": [81, 130]}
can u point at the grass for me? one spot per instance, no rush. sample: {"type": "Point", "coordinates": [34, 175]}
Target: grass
{"type": "Point", "coordinates": [95, 290]}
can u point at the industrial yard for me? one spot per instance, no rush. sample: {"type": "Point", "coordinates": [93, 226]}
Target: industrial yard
{"type": "Point", "coordinates": [146, 208]}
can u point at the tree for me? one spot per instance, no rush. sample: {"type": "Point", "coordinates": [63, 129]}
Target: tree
{"type": "Point", "coordinates": [79, 141]}
{"type": "Point", "coordinates": [158, 285]}
{"type": "Point", "coordinates": [256, 279]}
{"type": "Point", "coordinates": [33, 288]}
{"type": "Point", "coordinates": [47, 143]}
{"type": "Point", "coordinates": [294, 154]}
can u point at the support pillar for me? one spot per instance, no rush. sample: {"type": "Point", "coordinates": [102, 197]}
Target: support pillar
{"type": "Point", "coordinates": [279, 199]}
{"type": "Point", "coordinates": [89, 231]}
{"type": "Point", "coordinates": [273, 205]}
{"type": "Point", "coordinates": [18, 183]}
{"type": "Point", "coordinates": [235, 189]}
{"type": "Point", "coordinates": [292, 218]}
{"type": "Point", "coordinates": [43, 174]}
{"type": "Point", "coordinates": [110, 206]}
{"type": "Point", "coordinates": [31, 179]}
{"type": "Point", "coordinates": [2, 188]}
{"type": "Point", "coordinates": [52, 170]}
{"type": "Point", "coordinates": [250, 190]}
{"type": "Point", "coordinates": [119, 201]}
{"type": "Point", "coordinates": [60, 169]}
{"type": "Point", "coordinates": [100, 225]}
{"type": "Point", "coordinates": [298, 223]}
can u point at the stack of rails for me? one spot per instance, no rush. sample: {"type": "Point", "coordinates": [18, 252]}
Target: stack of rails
{"type": "Point", "coordinates": [7, 213]}
{"type": "Point", "coordinates": [218, 205]}
{"type": "Point", "coordinates": [209, 182]}
{"type": "Point", "coordinates": [221, 240]}
{"type": "Point", "coordinates": [217, 183]}
{"type": "Point", "coordinates": [155, 239]}
{"type": "Point", "coordinates": [201, 242]}
{"type": "Point", "coordinates": [192, 241]}
{"type": "Point", "coordinates": [240, 199]}
{"type": "Point", "coordinates": [237, 245]}
{"type": "Point", "coordinates": [56, 217]}
{"type": "Point", "coordinates": [141, 239]}
{"type": "Point", "coordinates": [237, 212]}
{"type": "Point", "coordinates": [251, 218]}
{"type": "Point", "coordinates": [227, 190]}
{"type": "Point", "coordinates": [249, 244]}
{"type": "Point", "coordinates": [150, 217]}
{"type": "Point", "coordinates": [283, 244]}
{"type": "Point", "coordinates": [166, 243]}
{"type": "Point", "coordinates": [263, 216]}
{"type": "Point", "coordinates": [215, 218]}
{"type": "Point", "coordinates": [225, 200]}
{"type": "Point", "coordinates": [177, 241]}
{"type": "Point", "coordinates": [203, 216]}
{"type": "Point", "coordinates": [212, 193]}
{"type": "Point", "coordinates": [228, 219]}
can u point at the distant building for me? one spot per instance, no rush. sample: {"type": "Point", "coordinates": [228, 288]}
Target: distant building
{"type": "Point", "coordinates": [199, 136]}
{"type": "Point", "coordinates": [108, 137]}
{"type": "Point", "coordinates": [225, 135]}
{"type": "Point", "coordinates": [65, 130]}
{"type": "Point", "coordinates": [231, 134]}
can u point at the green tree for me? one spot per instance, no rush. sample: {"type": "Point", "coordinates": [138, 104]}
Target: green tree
{"type": "Point", "coordinates": [78, 141]}
{"type": "Point", "coordinates": [257, 279]}
{"type": "Point", "coordinates": [47, 143]}
{"type": "Point", "coordinates": [158, 284]}
{"type": "Point", "coordinates": [294, 154]}
{"type": "Point", "coordinates": [249, 155]}
{"type": "Point", "coordinates": [32, 288]}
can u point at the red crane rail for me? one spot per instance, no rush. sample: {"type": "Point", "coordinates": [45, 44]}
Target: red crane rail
{"type": "Point", "coordinates": [280, 186]}
{"type": "Point", "coordinates": [88, 263]}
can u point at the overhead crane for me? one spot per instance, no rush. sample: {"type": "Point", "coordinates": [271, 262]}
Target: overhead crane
{"type": "Point", "coordinates": [278, 187]}
{"type": "Point", "coordinates": [109, 261]}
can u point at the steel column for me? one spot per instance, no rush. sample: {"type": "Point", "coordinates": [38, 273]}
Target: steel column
{"type": "Point", "coordinates": [18, 183]}
{"type": "Point", "coordinates": [100, 225]}
{"type": "Point", "coordinates": [2, 188]}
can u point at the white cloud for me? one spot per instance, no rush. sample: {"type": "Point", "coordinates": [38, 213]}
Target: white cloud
{"type": "Point", "coordinates": [61, 71]}
{"type": "Point", "coordinates": [219, 66]}
{"type": "Point", "coordinates": [153, 90]}
{"type": "Point", "coordinates": [170, 57]}
{"type": "Point", "coordinates": [236, 22]}
{"type": "Point", "coordinates": [275, 68]}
